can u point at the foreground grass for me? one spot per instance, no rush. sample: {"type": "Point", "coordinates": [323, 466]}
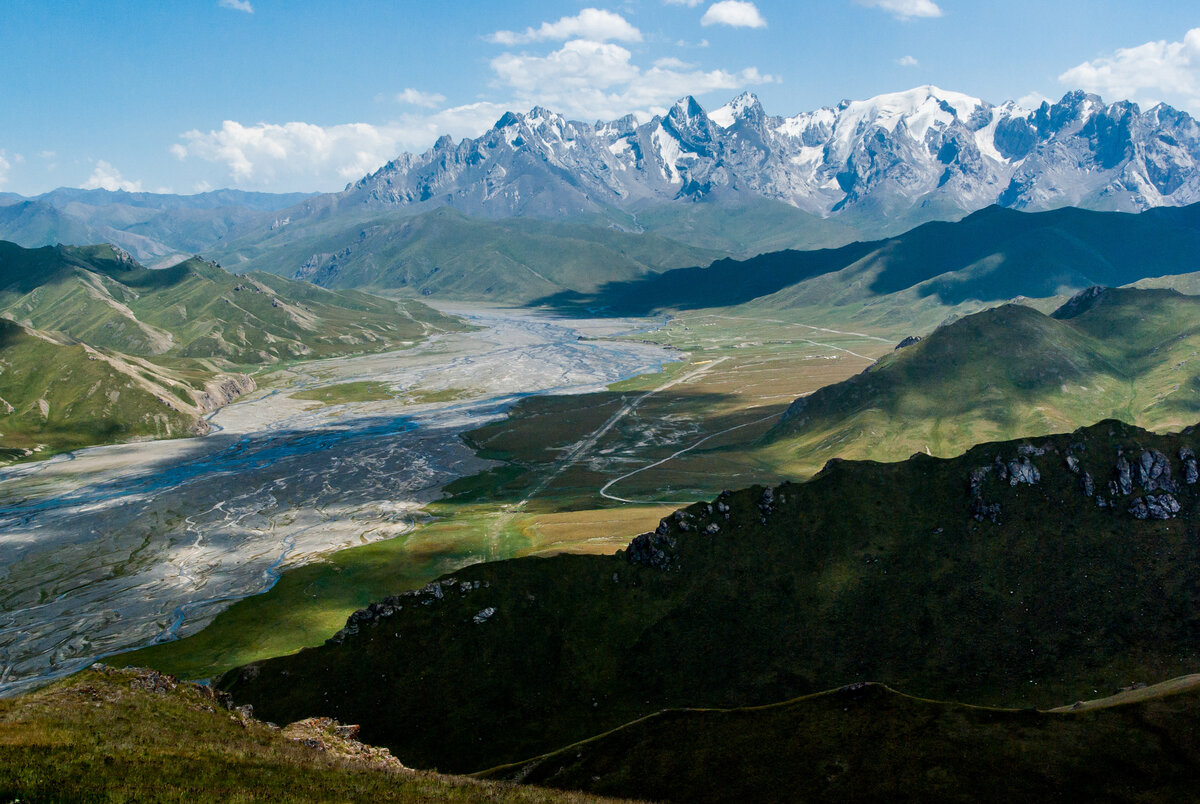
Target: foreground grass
{"type": "Point", "coordinates": [124, 736]}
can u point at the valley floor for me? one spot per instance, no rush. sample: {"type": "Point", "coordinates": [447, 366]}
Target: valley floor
{"type": "Point", "coordinates": [115, 547]}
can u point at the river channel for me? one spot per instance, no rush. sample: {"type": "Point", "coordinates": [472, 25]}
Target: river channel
{"type": "Point", "coordinates": [115, 547]}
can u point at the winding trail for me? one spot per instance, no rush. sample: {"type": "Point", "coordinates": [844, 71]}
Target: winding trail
{"type": "Point", "coordinates": [582, 447]}
{"type": "Point", "coordinates": [604, 489]}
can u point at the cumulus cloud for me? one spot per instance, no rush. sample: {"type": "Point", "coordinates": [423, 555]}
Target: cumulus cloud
{"type": "Point", "coordinates": [107, 177]}
{"type": "Point", "coordinates": [736, 13]}
{"type": "Point", "coordinates": [238, 5]}
{"type": "Point", "coordinates": [1033, 100]}
{"type": "Point", "coordinates": [590, 80]}
{"type": "Point", "coordinates": [905, 9]}
{"type": "Point", "coordinates": [592, 23]}
{"type": "Point", "coordinates": [5, 166]}
{"type": "Point", "coordinates": [581, 78]}
{"type": "Point", "coordinates": [907, 61]}
{"type": "Point", "coordinates": [688, 3]}
{"type": "Point", "coordinates": [1149, 73]}
{"type": "Point", "coordinates": [304, 156]}
{"type": "Point", "coordinates": [419, 98]}
{"type": "Point", "coordinates": [268, 154]}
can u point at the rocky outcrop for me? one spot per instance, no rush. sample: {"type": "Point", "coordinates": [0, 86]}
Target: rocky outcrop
{"type": "Point", "coordinates": [1164, 506]}
{"type": "Point", "coordinates": [427, 595]}
{"type": "Point", "coordinates": [336, 740]}
{"type": "Point", "coordinates": [222, 390]}
{"type": "Point", "coordinates": [658, 549]}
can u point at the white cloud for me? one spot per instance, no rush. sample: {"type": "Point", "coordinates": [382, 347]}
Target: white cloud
{"type": "Point", "coordinates": [590, 80]}
{"type": "Point", "coordinates": [737, 13]}
{"type": "Point", "coordinates": [905, 9]}
{"type": "Point", "coordinates": [418, 98]}
{"type": "Point", "coordinates": [238, 5]}
{"type": "Point", "coordinates": [1149, 73]}
{"type": "Point", "coordinates": [1033, 100]}
{"type": "Point", "coordinates": [5, 165]}
{"type": "Point", "coordinates": [107, 177]}
{"type": "Point", "coordinates": [268, 154]}
{"type": "Point", "coordinates": [591, 23]}
{"type": "Point", "coordinates": [305, 156]}
{"type": "Point", "coordinates": [688, 3]}
{"type": "Point", "coordinates": [907, 61]}
{"type": "Point", "coordinates": [582, 79]}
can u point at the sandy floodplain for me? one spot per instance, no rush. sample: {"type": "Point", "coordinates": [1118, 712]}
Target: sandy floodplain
{"type": "Point", "coordinates": [116, 547]}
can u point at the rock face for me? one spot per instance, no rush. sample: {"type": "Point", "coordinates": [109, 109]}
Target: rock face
{"type": "Point", "coordinates": [224, 389]}
{"type": "Point", "coordinates": [925, 146]}
{"type": "Point", "coordinates": [1148, 472]}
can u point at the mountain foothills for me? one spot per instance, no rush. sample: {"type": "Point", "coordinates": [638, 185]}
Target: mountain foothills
{"type": "Point", "coordinates": [1013, 371]}
{"type": "Point", "coordinates": [99, 348]}
{"type": "Point", "coordinates": [921, 276]}
{"type": "Point", "coordinates": [1021, 573]}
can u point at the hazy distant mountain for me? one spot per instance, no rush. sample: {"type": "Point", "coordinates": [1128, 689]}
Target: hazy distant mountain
{"type": "Point", "coordinates": [147, 225]}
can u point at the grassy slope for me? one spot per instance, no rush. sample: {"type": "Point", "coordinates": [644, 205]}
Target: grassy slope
{"type": "Point", "coordinates": [130, 736]}
{"type": "Point", "coordinates": [90, 397]}
{"type": "Point", "coordinates": [992, 255]}
{"type": "Point", "coordinates": [870, 743]}
{"type": "Point", "coordinates": [1012, 371]}
{"type": "Point", "coordinates": [444, 253]}
{"type": "Point", "coordinates": [156, 338]}
{"type": "Point", "coordinates": [867, 572]}
{"type": "Point", "coordinates": [195, 309]}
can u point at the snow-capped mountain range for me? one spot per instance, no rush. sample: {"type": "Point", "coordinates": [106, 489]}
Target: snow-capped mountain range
{"type": "Point", "coordinates": [925, 147]}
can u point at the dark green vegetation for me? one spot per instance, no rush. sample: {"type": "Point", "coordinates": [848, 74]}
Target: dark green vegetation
{"type": "Point", "coordinates": [991, 255]}
{"type": "Point", "coordinates": [108, 350]}
{"type": "Point", "coordinates": [444, 253]}
{"type": "Point", "coordinates": [1012, 575]}
{"type": "Point", "coordinates": [136, 736]}
{"type": "Point", "coordinates": [1012, 371]}
{"type": "Point", "coordinates": [868, 743]}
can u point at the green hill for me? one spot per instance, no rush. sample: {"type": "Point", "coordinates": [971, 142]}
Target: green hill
{"type": "Point", "coordinates": [135, 735]}
{"type": "Point", "coordinates": [444, 253]}
{"type": "Point", "coordinates": [992, 255]}
{"type": "Point", "coordinates": [108, 350]}
{"type": "Point", "coordinates": [57, 394]}
{"type": "Point", "coordinates": [99, 295]}
{"type": "Point", "coordinates": [1010, 371]}
{"type": "Point", "coordinates": [1012, 575]}
{"type": "Point", "coordinates": [869, 743]}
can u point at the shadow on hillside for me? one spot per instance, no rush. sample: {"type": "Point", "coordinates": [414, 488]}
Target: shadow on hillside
{"type": "Point", "coordinates": [723, 283]}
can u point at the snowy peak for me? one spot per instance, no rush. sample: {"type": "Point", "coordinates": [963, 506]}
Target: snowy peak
{"type": "Point", "coordinates": [923, 148]}
{"type": "Point", "coordinates": [744, 107]}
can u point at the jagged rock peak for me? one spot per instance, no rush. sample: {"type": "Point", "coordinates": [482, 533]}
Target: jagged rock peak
{"type": "Point", "coordinates": [925, 147]}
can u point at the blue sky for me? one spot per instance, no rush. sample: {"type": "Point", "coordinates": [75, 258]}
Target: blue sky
{"type": "Point", "coordinates": [286, 95]}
